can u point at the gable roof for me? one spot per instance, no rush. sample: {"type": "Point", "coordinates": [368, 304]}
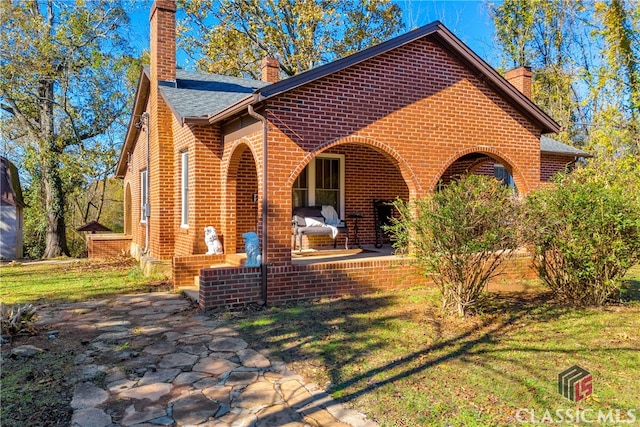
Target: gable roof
{"type": "Point", "coordinates": [436, 32]}
{"type": "Point", "coordinates": [551, 146]}
{"type": "Point", "coordinates": [209, 98]}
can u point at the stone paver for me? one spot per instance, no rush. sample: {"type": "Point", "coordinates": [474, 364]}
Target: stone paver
{"type": "Point", "coordinates": [214, 366]}
{"type": "Point", "coordinates": [150, 392]}
{"type": "Point", "coordinates": [194, 409]}
{"type": "Point", "coordinates": [154, 360]}
{"type": "Point", "coordinates": [87, 395]}
{"type": "Point", "coordinates": [90, 417]}
{"type": "Point", "coordinates": [257, 395]}
{"type": "Point", "coordinates": [132, 416]}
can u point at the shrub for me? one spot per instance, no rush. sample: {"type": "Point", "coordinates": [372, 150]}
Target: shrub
{"type": "Point", "coordinates": [585, 230]}
{"type": "Point", "coordinates": [460, 235]}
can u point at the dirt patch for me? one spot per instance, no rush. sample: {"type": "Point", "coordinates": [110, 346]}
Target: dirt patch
{"type": "Point", "coordinates": [38, 390]}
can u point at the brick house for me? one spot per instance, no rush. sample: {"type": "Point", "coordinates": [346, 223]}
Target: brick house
{"type": "Point", "coordinates": [390, 121]}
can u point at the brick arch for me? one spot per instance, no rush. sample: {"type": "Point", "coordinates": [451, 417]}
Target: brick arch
{"type": "Point", "coordinates": [410, 179]}
{"type": "Point", "coordinates": [495, 154]}
{"type": "Point", "coordinates": [478, 163]}
{"type": "Point", "coordinates": [240, 213]}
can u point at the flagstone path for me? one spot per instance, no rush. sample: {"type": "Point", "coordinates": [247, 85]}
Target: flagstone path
{"type": "Point", "coordinates": [154, 360]}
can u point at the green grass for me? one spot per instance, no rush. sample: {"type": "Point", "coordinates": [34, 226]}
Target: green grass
{"type": "Point", "coordinates": [394, 357]}
{"type": "Point", "coordinates": [72, 281]}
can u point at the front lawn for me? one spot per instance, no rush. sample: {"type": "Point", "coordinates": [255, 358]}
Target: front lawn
{"type": "Point", "coordinates": [394, 357]}
{"type": "Point", "coordinates": [72, 280]}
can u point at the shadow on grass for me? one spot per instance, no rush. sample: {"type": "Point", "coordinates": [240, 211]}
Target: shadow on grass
{"type": "Point", "coordinates": [334, 334]}
{"type": "Point", "coordinates": [631, 286]}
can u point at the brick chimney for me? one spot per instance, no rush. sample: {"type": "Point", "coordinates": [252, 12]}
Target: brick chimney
{"type": "Point", "coordinates": [521, 79]}
{"type": "Point", "coordinates": [270, 70]}
{"type": "Point", "coordinates": [163, 40]}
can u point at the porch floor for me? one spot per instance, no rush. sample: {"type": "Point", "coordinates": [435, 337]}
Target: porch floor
{"type": "Point", "coordinates": [368, 252]}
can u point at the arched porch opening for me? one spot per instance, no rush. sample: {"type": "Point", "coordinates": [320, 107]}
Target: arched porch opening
{"type": "Point", "coordinates": [349, 175]}
{"type": "Point", "coordinates": [479, 163]}
{"type": "Point", "coordinates": [242, 199]}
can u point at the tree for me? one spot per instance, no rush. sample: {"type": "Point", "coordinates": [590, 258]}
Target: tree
{"type": "Point", "coordinates": [585, 230]}
{"type": "Point", "coordinates": [619, 26]}
{"type": "Point", "coordinates": [63, 84]}
{"type": "Point", "coordinates": [541, 34]}
{"type": "Point", "coordinates": [232, 36]}
{"type": "Point", "coordinates": [460, 235]}
{"type": "Point", "coordinates": [585, 56]}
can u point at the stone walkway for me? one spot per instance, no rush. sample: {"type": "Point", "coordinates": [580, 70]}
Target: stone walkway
{"type": "Point", "coordinates": [154, 360]}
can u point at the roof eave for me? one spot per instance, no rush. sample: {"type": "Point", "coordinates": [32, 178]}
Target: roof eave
{"type": "Point", "coordinates": [139, 103]}
{"type": "Point", "coordinates": [202, 120]}
{"type": "Point", "coordinates": [234, 108]}
{"type": "Point", "coordinates": [348, 61]}
{"type": "Point", "coordinates": [566, 154]}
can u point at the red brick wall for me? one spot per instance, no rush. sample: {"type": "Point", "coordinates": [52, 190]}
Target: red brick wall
{"type": "Point", "coordinates": [552, 164]}
{"type": "Point", "coordinates": [417, 104]}
{"type": "Point", "coordinates": [163, 39]}
{"type": "Point", "coordinates": [186, 268]}
{"type": "Point", "coordinates": [161, 174]}
{"type": "Point", "coordinates": [231, 287]}
{"type": "Point", "coordinates": [203, 145]}
{"type": "Point", "coordinates": [107, 245]}
{"type": "Point", "coordinates": [137, 163]}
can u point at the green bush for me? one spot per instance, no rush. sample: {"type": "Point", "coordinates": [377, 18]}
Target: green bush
{"type": "Point", "coordinates": [461, 235]}
{"type": "Point", "coordinates": [585, 230]}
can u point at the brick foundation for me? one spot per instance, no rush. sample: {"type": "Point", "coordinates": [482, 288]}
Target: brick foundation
{"type": "Point", "coordinates": [234, 287]}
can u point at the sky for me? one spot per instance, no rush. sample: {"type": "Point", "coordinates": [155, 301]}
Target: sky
{"type": "Point", "coordinates": [468, 19]}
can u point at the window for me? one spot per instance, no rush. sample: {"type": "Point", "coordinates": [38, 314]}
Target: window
{"type": "Point", "coordinates": [321, 183]}
{"type": "Point", "coordinates": [502, 174]}
{"type": "Point", "coordinates": [185, 190]}
{"type": "Point", "coordinates": [144, 194]}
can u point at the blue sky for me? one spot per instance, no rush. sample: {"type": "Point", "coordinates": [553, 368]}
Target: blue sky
{"type": "Point", "coordinates": [467, 19]}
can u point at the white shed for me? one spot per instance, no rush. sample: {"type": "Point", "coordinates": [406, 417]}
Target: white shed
{"type": "Point", "coordinates": [11, 215]}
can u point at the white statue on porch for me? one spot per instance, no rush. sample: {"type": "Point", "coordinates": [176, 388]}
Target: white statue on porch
{"type": "Point", "coordinates": [252, 248]}
{"type": "Point", "coordinates": [214, 247]}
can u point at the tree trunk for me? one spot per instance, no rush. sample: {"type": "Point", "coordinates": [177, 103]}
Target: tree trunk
{"type": "Point", "coordinates": [56, 243]}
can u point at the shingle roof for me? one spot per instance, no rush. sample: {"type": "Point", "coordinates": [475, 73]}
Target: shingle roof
{"type": "Point", "coordinates": [548, 145]}
{"type": "Point", "coordinates": [202, 95]}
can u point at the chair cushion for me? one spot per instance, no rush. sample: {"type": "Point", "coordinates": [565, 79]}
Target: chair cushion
{"type": "Point", "coordinates": [314, 222]}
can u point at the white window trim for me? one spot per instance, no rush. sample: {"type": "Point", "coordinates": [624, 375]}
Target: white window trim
{"type": "Point", "coordinates": [184, 189]}
{"type": "Point", "coordinates": [311, 180]}
{"type": "Point", "coordinates": [144, 194]}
